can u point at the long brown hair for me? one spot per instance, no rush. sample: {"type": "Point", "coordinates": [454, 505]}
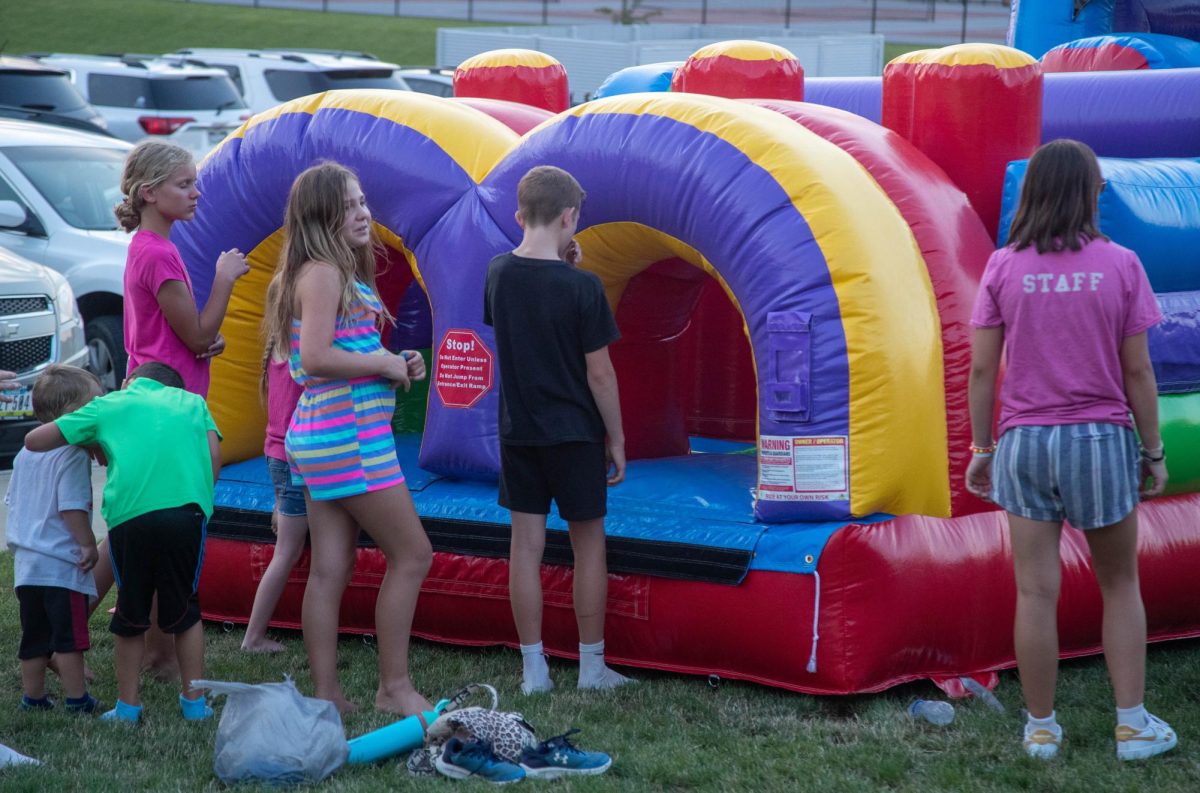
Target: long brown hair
{"type": "Point", "coordinates": [269, 344]}
{"type": "Point", "coordinates": [1058, 203]}
{"type": "Point", "coordinates": [316, 211]}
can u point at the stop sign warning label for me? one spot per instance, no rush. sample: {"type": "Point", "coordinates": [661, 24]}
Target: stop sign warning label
{"type": "Point", "coordinates": [464, 369]}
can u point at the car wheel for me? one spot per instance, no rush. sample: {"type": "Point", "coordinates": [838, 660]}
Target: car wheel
{"type": "Point", "coordinates": [106, 350]}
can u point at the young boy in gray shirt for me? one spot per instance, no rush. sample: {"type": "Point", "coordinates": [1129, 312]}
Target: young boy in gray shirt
{"type": "Point", "coordinates": [50, 534]}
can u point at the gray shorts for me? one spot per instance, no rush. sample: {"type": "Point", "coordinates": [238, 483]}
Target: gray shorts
{"type": "Point", "coordinates": [1087, 474]}
{"type": "Point", "coordinates": [289, 498]}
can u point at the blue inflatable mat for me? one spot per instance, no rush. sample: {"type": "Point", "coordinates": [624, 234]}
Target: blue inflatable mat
{"type": "Point", "coordinates": [1151, 206]}
{"type": "Point", "coordinates": [686, 517]}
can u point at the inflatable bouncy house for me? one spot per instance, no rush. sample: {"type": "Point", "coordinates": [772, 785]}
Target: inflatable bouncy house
{"type": "Point", "coordinates": [792, 282]}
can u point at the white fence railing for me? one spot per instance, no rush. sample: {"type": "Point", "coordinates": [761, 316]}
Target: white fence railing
{"type": "Point", "coordinates": [592, 52]}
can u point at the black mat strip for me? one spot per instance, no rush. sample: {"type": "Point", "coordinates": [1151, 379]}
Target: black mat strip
{"type": "Point", "coordinates": [470, 538]}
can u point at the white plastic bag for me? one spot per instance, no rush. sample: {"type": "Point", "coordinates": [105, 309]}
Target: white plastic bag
{"type": "Point", "coordinates": [271, 732]}
{"type": "Point", "coordinates": [13, 757]}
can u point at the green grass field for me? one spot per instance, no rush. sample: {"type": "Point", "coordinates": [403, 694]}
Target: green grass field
{"type": "Point", "coordinates": [669, 733]}
{"type": "Point", "coordinates": [95, 26]}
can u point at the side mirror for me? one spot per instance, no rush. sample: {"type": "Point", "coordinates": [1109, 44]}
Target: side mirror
{"type": "Point", "coordinates": [12, 215]}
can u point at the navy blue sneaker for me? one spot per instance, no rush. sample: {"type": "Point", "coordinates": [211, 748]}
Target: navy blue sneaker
{"type": "Point", "coordinates": [85, 704]}
{"type": "Point", "coordinates": [29, 703]}
{"type": "Point", "coordinates": [461, 759]}
{"type": "Point", "coordinates": [559, 757]}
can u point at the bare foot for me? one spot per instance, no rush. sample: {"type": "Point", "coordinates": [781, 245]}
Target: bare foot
{"type": "Point", "coordinates": [263, 645]}
{"type": "Point", "coordinates": [401, 699]}
{"type": "Point", "coordinates": [88, 674]}
{"type": "Point", "coordinates": [164, 670]}
{"type": "Point", "coordinates": [343, 705]}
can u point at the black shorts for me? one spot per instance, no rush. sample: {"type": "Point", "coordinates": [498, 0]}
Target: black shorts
{"type": "Point", "coordinates": [573, 474]}
{"type": "Point", "coordinates": [53, 620]}
{"type": "Point", "coordinates": [158, 553]}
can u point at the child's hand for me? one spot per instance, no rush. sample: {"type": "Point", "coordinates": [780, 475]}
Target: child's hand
{"type": "Point", "coordinates": [573, 253]}
{"type": "Point", "coordinates": [214, 349]}
{"type": "Point", "coordinates": [979, 476]}
{"type": "Point", "coordinates": [395, 369]}
{"type": "Point", "coordinates": [614, 453]}
{"type": "Point", "coordinates": [7, 383]}
{"type": "Point", "coordinates": [1156, 473]}
{"type": "Point", "coordinates": [88, 556]}
{"type": "Point", "coordinates": [416, 365]}
{"type": "Point", "coordinates": [231, 265]}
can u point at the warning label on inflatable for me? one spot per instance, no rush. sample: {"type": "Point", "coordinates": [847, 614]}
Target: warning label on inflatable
{"type": "Point", "coordinates": [463, 369]}
{"type": "Point", "coordinates": [803, 469]}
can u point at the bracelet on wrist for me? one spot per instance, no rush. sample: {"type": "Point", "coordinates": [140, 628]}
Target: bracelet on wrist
{"type": "Point", "coordinates": [983, 450]}
{"type": "Point", "coordinates": [1154, 455]}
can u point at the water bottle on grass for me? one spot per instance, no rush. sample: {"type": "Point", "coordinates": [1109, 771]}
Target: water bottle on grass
{"type": "Point", "coordinates": [937, 713]}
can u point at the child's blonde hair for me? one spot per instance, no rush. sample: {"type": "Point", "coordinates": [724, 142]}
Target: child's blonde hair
{"type": "Point", "coordinates": [268, 339]}
{"type": "Point", "coordinates": [148, 165]}
{"type": "Point", "coordinates": [62, 389]}
{"type": "Point", "coordinates": [316, 212]}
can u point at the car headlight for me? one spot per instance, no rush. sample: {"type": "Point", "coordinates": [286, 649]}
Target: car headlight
{"type": "Point", "coordinates": [64, 301]}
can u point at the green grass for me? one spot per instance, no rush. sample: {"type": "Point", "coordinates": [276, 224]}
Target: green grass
{"type": "Point", "coordinates": [94, 26]}
{"type": "Point", "coordinates": [894, 49]}
{"type": "Point", "coordinates": [670, 733]}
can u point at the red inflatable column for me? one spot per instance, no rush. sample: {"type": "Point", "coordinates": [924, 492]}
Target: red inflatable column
{"type": "Point", "coordinates": [721, 390]}
{"type": "Point", "coordinates": [525, 76]}
{"type": "Point", "coordinates": [741, 70]}
{"type": "Point", "coordinates": [972, 109]}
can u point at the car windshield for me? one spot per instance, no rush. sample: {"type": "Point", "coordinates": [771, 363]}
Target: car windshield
{"type": "Point", "coordinates": [167, 93]}
{"type": "Point", "coordinates": [426, 86]}
{"type": "Point", "coordinates": [287, 84]}
{"type": "Point", "coordinates": [47, 91]}
{"type": "Point", "coordinates": [82, 183]}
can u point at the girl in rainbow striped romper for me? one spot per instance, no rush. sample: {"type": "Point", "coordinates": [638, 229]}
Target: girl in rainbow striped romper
{"type": "Point", "coordinates": [340, 443]}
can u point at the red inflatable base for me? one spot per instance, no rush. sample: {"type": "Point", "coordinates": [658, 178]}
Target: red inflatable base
{"type": "Point", "coordinates": [911, 598]}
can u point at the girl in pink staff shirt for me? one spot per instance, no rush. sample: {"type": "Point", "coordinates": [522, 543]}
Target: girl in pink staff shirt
{"type": "Point", "coordinates": [1070, 309]}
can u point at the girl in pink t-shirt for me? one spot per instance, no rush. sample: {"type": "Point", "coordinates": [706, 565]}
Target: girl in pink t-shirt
{"type": "Point", "coordinates": [290, 518]}
{"type": "Point", "coordinates": [1070, 311]}
{"type": "Point", "coordinates": [162, 322]}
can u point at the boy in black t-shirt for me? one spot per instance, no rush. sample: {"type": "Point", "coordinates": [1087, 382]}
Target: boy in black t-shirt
{"type": "Point", "coordinates": [560, 418]}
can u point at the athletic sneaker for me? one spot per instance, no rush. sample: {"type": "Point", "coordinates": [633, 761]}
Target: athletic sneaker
{"type": "Point", "coordinates": [461, 759]}
{"type": "Point", "coordinates": [1155, 738]}
{"type": "Point", "coordinates": [1042, 742]}
{"type": "Point", "coordinates": [29, 703]}
{"type": "Point", "coordinates": [559, 757]}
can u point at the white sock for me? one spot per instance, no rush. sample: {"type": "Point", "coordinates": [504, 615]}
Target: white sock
{"type": "Point", "coordinates": [1049, 723]}
{"type": "Point", "coordinates": [592, 671]}
{"type": "Point", "coordinates": [1134, 717]}
{"type": "Point", "coordinates": [535, 671]}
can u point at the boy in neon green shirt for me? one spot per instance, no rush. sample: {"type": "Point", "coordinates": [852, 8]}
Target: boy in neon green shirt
{"type": "Point", "coordinates": [163, 459]}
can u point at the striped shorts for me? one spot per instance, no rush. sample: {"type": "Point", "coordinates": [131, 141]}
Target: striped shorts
{"type": "Point", "coordinates": [1087, 474]}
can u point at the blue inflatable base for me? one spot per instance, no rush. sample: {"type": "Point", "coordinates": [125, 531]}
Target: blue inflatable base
{"type": "Point", "coordinates": [674, 508]}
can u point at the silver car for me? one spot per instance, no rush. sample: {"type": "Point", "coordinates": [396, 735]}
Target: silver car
{"type": "Point", "coordinates": [152, 98]}
{"type": "Point", "coordinates": [39, 325]}
{"type": "Point", "coordinates": [57, 190]}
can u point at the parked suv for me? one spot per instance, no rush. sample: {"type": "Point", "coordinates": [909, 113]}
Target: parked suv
{"type": "Point", "coordinates": [429, 80]}
{"type": "Point", "coordinates": [267, 78]}
{"type": "Point", "coordinates": [57, 191]}
{"type": "Point", "coordinates": [39, 325]}
{"type": "Point", "coordinates": [34, 88]}
{"type": "Point", "coordinates": [144, 96]}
